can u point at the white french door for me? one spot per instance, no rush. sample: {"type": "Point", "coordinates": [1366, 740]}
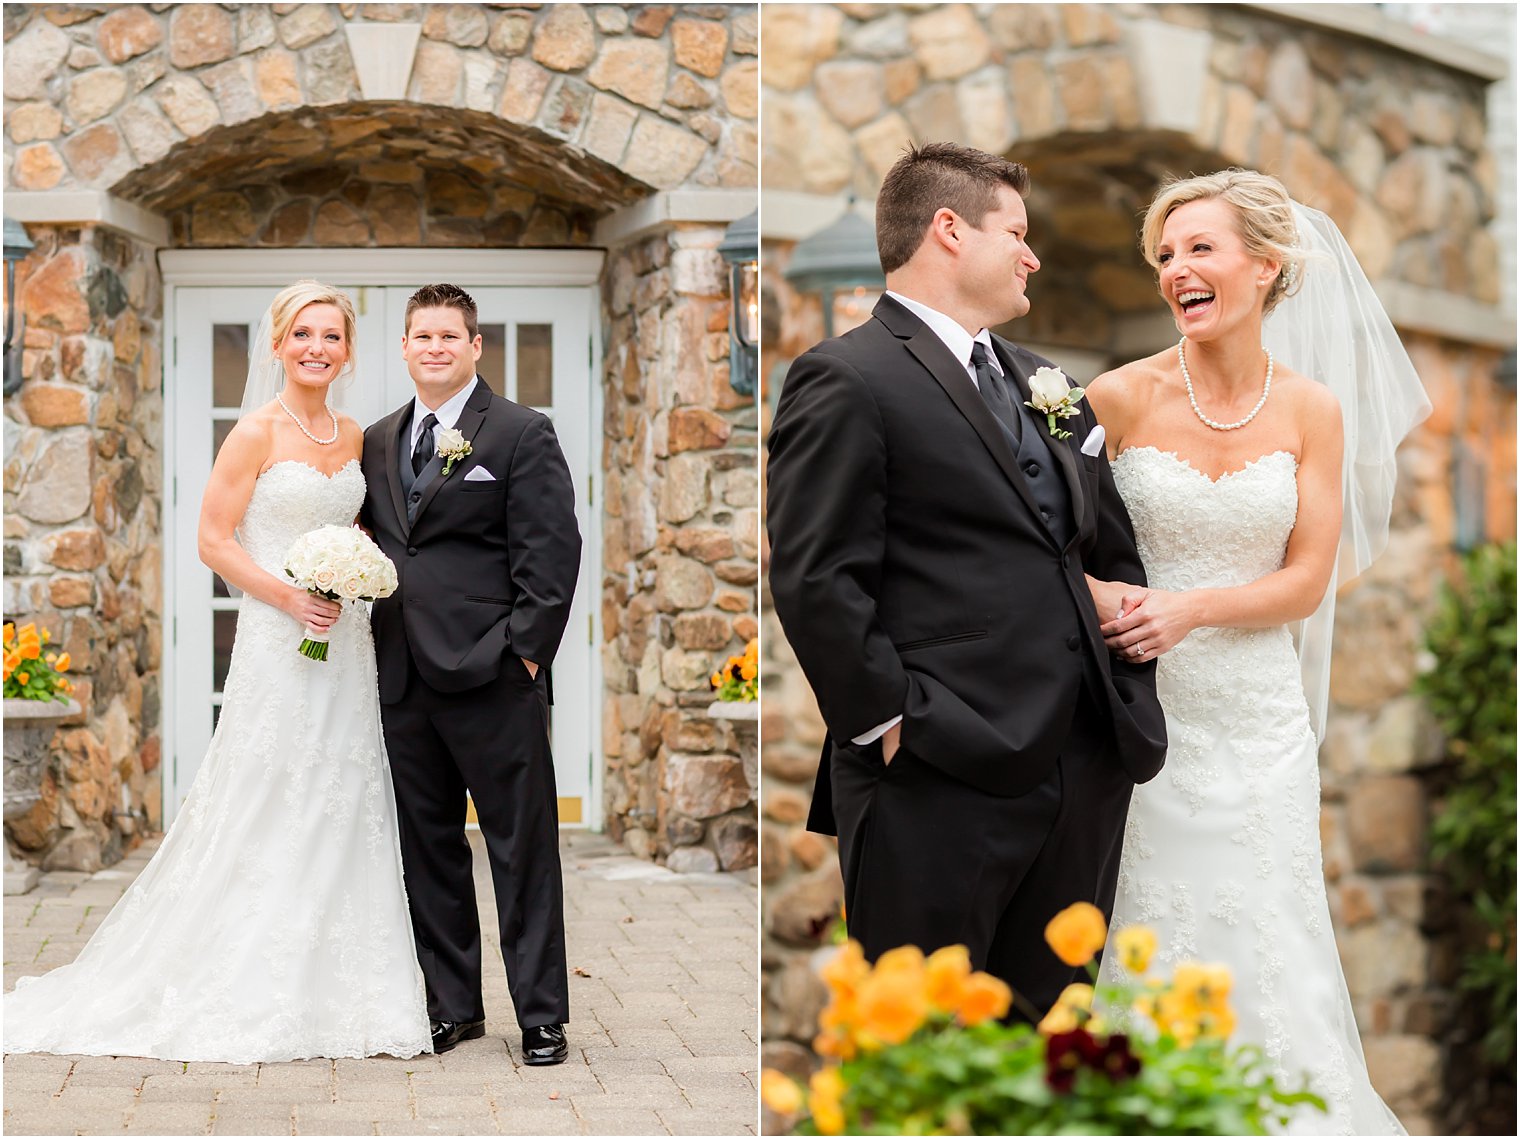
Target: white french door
{"type": "Point", "coordinates": [538, 350]}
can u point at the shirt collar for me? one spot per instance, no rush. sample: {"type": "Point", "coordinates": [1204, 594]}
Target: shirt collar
{"type": "Point", "coordinates": [951, 334]}
{"type": "Point", "coordinates": [448, 414]}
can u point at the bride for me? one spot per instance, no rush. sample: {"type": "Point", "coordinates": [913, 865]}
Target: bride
{"type": "Point", "coordinates": [1230, 458]}
{"type": "Point", "coordinates": [272, 923]}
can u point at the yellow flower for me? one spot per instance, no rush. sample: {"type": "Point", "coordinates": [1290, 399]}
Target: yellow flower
{"type": "Point", "coordinates": [836, 1042]}
{"type": "Point", "coordinates": [10, 630]}
{"type": "Point", "coordinates": [23, 678]}
{"type": "Point", "coordinates": [748, 670]}
{"type": "Point", "coordinates": [1202, 985]}
{"type": "Point", "coordinates": [752, 648]}
{"type": "Point", "coordinates": [846, 970]}
{"type": "Point", "coordinates": [946, 973]}
{"type": "Point", "coordinates": [1076, 933]}
{"type": "Point", "coordinates": [63, 663]}
{"type": "Point", "coordinates": [780, 1092]}
{"type": "Point", "coordinates": [1136, 946]}
{"type": "Point", "coordinates": [825, 1090]}
{"type": "Point", "coordinates": [983, 997]}
{"type": "Point", "coordinates": [893, 1001]}
{"type": "Point", "coordinates": [716, 680]}
{"type": "Point", "coordinates": [1072, 1009]}
{"type": "Point", "coordinates": [46, 636]}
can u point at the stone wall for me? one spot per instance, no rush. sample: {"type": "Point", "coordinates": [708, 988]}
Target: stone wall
{"type": "Point", "coordinates": [1394, 148]}
{"type": "Point", "coordinates": [83, 508]}
{"type": "Point", "coordinates": [650, 95]}
{"type": "Point", "coordinates": [680, 553]}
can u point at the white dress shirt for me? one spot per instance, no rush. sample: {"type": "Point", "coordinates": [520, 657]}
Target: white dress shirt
{"type": "Point", "coordinates": [448, 414]}
{"type": "Point", "coordinates": [960, 342]}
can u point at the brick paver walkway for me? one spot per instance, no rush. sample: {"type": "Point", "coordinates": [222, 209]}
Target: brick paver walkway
{"type": "Point", "coordinates": [664, 1038]}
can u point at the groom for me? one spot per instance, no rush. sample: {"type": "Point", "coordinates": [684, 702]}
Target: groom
{"type": "Point", "coordinates": [929, 539]}
{"type": "Point", "coordinates": [470, 496]}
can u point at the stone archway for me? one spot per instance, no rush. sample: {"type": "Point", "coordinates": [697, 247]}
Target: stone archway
{"type": "Point", "coordinates": [379, 173]}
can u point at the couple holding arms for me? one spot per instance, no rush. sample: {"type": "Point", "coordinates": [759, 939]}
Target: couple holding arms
{"type": "Point", "coordinates": [315, 895]}
{"type": "Point", "coordinates": [1052, 636]}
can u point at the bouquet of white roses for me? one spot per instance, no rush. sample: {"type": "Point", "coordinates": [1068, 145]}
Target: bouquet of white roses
{"type": "Point", "coordinates": [340, 563]}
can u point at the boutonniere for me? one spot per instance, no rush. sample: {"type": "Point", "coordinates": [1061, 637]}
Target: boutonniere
{"type": "Point", "coordinates": [1055, 395]}
{"type": "Point", "coordinates": [451, 446]}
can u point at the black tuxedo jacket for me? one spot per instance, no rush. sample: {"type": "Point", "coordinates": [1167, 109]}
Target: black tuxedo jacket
{"type": "Point", "coordinates": [913, 575]}
{"type": "Point", "coordinates": [487, 569]}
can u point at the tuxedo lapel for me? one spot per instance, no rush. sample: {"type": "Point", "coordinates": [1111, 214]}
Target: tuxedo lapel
{"type": "Point", "coordinates": [1060, 449]}
{"type": "Point", "coordinates": [470, 419]}
{"type": "Point", "coordinates": [950, 374]}
{"type": "Point", "coordinates": [390, 437]}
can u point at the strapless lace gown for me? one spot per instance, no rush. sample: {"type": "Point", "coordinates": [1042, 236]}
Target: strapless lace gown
{"type": "Point", "coordinates": [1221, 852]}
{"type": "Point", "coordinates": [272, 923]}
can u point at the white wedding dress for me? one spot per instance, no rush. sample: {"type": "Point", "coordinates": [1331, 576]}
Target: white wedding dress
{"type": "Point", "coordinates": [1221, 852]}
{"type": "Point", "coordinates": [272, 923]}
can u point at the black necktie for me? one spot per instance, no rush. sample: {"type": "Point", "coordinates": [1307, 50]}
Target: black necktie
{"type": "Point", "coordinates": [422, 453]}
{"type": "Point", "coordinates": [991, 386]}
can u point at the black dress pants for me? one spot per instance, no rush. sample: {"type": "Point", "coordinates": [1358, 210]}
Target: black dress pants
{"type": "Point", "coordinates": [494, 742]}
{"type": "Point", "coordinates": [929, 860]}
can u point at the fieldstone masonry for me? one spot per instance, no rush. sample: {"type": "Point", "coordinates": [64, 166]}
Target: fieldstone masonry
{"type": "Point", "coordinates": [1390, 144]}
{"type": "Point", "coordinates": [83, 506]}
{"type": "Point", "coordinates": [680, 554]}
{"type": "Point", "coordinates": [247, 126]}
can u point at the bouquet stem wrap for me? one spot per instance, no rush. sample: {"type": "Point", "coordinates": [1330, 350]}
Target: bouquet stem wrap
{"type": "Point", "coordinates": [340, 563]}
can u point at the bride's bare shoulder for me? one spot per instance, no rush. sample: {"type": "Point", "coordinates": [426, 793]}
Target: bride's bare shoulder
{"type": "Point", "coordinates": [1127, 389]}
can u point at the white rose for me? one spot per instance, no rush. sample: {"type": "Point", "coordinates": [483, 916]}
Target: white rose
{"type": "Point", "coordinates": [1047, 388]}
{"type": "Point", "coordinates": [352, 587]}
{"type": "Point", "coordinates": [448, 441]}
{"type": "Point", "coordinates": [324, 577]}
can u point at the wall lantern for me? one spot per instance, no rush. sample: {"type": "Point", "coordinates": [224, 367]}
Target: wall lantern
{"type": "Point", "coordinates": [740, 247]}
{"type": "Point", "coordinates": [17, 246]}
{"type": "Point", "coordinates": [840, 258]}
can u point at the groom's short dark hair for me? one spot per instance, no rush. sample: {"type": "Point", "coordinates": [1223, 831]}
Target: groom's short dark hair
{"type": "Point", "coordinates": [935, 176]}
{"type": "Point", "coordinates": [444, 296]}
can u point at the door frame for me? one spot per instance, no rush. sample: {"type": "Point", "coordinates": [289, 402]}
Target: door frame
{"type": "Point", "coordinates": [469, 268]}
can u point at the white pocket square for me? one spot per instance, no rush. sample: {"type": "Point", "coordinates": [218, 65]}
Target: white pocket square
{"type": "Point", "coordinates": [479, 474]}
{"type": "Point", "coordinates": [1093, 444]}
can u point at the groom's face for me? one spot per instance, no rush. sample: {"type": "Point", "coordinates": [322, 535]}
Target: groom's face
{"type": "Point", "coordinates": [439, 352]}
{"type": "Point", "coordinates": [995, 259]}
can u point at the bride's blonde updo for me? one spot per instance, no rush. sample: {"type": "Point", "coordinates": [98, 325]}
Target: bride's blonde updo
{"type": "Point", "coordinates": [1264, 216]}
{"type": "Point", "coordinates": [292, 299]}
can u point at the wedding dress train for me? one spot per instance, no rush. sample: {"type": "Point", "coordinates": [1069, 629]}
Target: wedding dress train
{"type": "Point", "coordinates": [1221, 852]}
{"type": "Point", "coordinates": [272, 923]}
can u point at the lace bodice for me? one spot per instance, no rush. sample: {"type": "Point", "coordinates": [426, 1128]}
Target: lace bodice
{"type": "Point", "coordinates": [1194, 532]}
{"type": "Point", "coordinates": [292, 498]}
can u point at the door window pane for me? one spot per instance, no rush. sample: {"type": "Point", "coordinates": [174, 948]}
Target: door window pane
{"type": "Point", "coordinates": [223, 628]}
{"type": "Point", "coordinates": [493, 357]}
{"type": "Point", "coordinates": [229, 364]}
{"type": "Point", "coordinates": [535, 365]}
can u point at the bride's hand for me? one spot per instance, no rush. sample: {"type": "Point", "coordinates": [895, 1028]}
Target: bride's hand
{"type": "Point", "coordinates": [1113, 598]}
{"type": "Point", "coordinates": [312, 611]}
{"type": "Point", "coordinates": [1155, 624]}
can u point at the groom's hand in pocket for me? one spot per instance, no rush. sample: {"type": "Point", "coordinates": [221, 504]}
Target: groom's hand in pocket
{"type": "Point", "coordinates": [530, 666]}
{"type": "Point", "coordinates": [891, 740]}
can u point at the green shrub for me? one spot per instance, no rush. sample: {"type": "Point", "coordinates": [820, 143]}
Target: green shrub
{"type": "Point", "coordinates": [1471, 692]}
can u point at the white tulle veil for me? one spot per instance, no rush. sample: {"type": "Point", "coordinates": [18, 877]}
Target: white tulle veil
{"type": "Point", "coordinates": [1335, 330]}
{"type": "Point", "coordinates": [266, 374]}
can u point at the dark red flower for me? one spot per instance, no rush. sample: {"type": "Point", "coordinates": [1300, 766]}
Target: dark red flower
{"type": "Point", "coordinates": [1117, 1061]}
{"type": "Point", "coordinates": [1065, 1053]}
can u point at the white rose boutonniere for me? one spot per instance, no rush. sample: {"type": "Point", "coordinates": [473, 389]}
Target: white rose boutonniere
{"type": "Point", "coordinates": [1055, 395]}
{"type": "Point", "coordinates": [451, 446]}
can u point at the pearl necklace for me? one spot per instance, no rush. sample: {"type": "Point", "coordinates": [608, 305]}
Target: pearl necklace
{"type": "Point", "coordinates": [320, 442]}
{"type": "Point", "coordinates": [1192, 399]}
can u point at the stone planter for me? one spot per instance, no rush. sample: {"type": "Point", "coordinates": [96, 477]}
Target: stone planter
{"type": "Point", "coordinates": [745, 718]}
{"type": "Point", "coordinates": [713, 823]}
{"type": "Point", "coordinates": [29, 728]}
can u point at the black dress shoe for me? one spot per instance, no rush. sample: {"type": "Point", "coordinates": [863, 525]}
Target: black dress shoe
{"type": "Point", "coordinates": [545, 1044]}
{"type": "Point", "coordinates": [447, 1033]}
